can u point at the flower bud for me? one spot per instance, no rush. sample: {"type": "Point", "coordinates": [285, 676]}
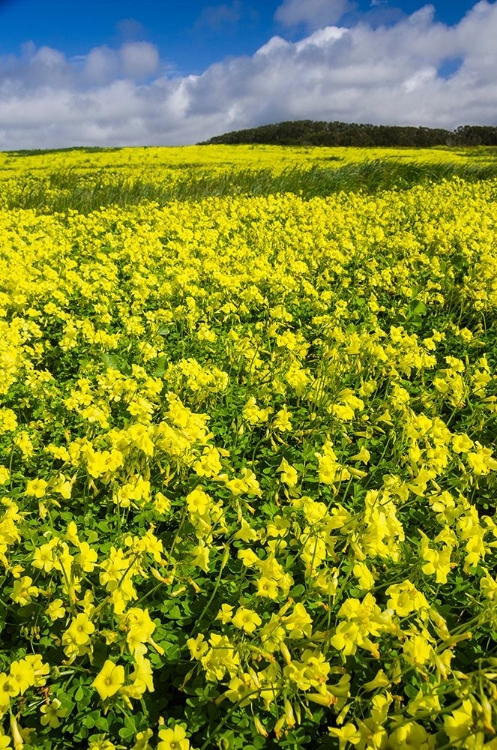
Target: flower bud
{"type": "Point", "coordinates": [259, 727]}
{"type": "Point", "coordinates": [289, 715]}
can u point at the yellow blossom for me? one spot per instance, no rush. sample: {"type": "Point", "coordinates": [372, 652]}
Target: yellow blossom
{"type": "Point", "coordinates": [173, 739]}
{"type": "Point", "coordinates": [36, 487]}
{"type": "Point", "coordinates": [246, 619]}
{"type": "Point", "coordinates": [109, 680]}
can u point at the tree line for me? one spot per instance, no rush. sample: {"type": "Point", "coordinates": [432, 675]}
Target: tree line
{"type": "Point", "coordinates": [312, 133]}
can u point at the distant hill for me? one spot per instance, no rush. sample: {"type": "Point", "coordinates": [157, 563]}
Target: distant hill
{"type": "Point", "coordinates": [311, 133]}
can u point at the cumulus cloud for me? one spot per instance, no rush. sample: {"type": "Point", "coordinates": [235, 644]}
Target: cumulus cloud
{"type": "Point", "coordinates": [139, 60]}
{"type": "Point", "coordinates": [131, 29]}
{"type": "Point", "coordinates": [218, 16]}
{"type": "Point", "coordinates": [312, 13]}
{"type": "Point", "coordinates": [395, 74]}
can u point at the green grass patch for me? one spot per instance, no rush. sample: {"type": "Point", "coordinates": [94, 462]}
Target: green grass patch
{"type": "Point", "coordinates": [89, 191]}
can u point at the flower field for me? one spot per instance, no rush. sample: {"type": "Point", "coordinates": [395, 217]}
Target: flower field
{"type": "Point", "coordinates": [248, 471]}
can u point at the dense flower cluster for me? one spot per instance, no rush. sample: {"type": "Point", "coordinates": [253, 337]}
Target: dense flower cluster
{"type": "Point", "coordinates": [248, 473]}
{"type": "Point", "coordinates": [221, 157]}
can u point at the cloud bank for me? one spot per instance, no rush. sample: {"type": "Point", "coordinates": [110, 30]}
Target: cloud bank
{"type": "Point", "coordinates": [392, 75]}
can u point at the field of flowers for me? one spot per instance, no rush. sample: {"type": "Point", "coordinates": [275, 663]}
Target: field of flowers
{"type": "Point", "coordinates": [219, 158]}
{"type": "Point", "coordinates": [86, 180]}
{"type": "Point", "coordinates": [248, 471]}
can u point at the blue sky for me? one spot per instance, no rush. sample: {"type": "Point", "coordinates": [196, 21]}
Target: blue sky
{"type": "Point", "coordinates": [189, 34]}
{"type": "Point", "coordinates": [154, 72]}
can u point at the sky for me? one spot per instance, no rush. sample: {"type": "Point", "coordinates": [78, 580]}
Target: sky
{"type": "Point", "coordinates": [172, 72]}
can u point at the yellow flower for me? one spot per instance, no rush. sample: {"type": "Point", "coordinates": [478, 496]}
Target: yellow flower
{"type": "Point", "coordinates": [142, 739]}
{"type": "Point", "coordinates": [8, 420]}
{"type": "Point", "coordinates": [437, 563]}
{"type": "Point", "coordinates": [246, 619]}
{"type": "Point", "coordinates": [267, 587]}
{"type": "Point", "coordinates": [364, 576]}
{"type": "Point", "coordinates": [246, 532]}
{"type": "Point", "coordinates": [364, 455]}
{"type": "Point", "coordinates": [417, 650]}
{"type": "Point", "coordinates": [225, 613]}
{"type": "Point", "coordinates": [80, 629]}
{"type": "Point", "coordinates": [405, 598]}
{"type": "Point", "coordinates": [299, 623]}
{"type": "Point", "coordinates": [55, 610]}
{"type": "Point", "coordinates": [481, 460]}
{"type": "Point", "coordinates": [23, 673]}
{"type": "Point", "coordinates": [248, 557]}
{"type": "Point", "coordinates": [36, 488]}
{"type": "Point", "coordinates": [9, 688]}
{"type": "Point", "coordinates": [458, 725]}
{"type": "Point", "coordinates": [253, 414]}
{"type": "Point", "coordinates": [209, 464]}
{"type": "Point", "coordinates": [63, 486]}
{"type": "Point", "coordinates": [87, 557]}
{"type": "Point", "coordinates": [282, 420]}
{"type": "Point", "coordinates": [58, 451]}
{"type": "Point", "coordinates": [140, 629]}
{"type": "Point", "coordinates": [289, 475]}
{"type": "Point", "coordinates": [346, 637]}
{"type": "Point", "coordinates": [162, 504]}
{"type": "Point", "coordinates": [109, 679]}
{"type": "Point", "coordinates": [381, 680]}
{"type": "Point", "coordinates": [461, 443]}
{"type": "Point", "coordinates": [198, 501]}
{"type": "Point", "coordinates": [23, 441]}
{"type": "Point", "coordinates": [43, 557]}
{"type": "Point", "coordinates": [24, 591]}
{"type": "Point", "coordinates": [347, 733]}
{"type": "Point", "coordinates": [197, 646]}
{"type": "Point", "coordinates": [173, 739]}
{"type": "Point", "coordinates": [143, 674]}
{"type": "Point", "coordinates": [411, 735]}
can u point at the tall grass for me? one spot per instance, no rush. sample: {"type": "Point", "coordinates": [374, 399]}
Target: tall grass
{"type": "Point", "coordinates": [88, 191]}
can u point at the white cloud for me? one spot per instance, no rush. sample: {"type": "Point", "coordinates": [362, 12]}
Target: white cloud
{"type": "Point", "coordinates": [419, 79]}
{"type": "Point", "coordinates": [358, 74]}
{"type": "Point", "coordinates": [139, 60]}
{"type": "Point", "coordinates": [218, 16]}
{"type": "Point", "coordinates": [101, 66]}
{"type": "Point", "coordinates": [312, 13]}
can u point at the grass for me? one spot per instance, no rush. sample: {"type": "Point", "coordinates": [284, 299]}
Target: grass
{"type": "Point", "coordinates": [43, 151]}
{"type": "Point", "coordinates": [85, 192]}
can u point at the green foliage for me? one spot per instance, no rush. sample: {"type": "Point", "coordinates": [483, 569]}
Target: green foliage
{"type": "Point", "coordinates": [42, 151]}
{"type": "Point", "coordinates": [311, 133]}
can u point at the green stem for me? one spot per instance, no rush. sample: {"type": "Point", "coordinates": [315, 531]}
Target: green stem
{"type": "Point", "coordinates": [214, 591]}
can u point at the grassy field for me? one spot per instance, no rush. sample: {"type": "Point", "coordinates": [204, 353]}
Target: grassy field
{"type": "Point", "coordinates": [247, 449]}
{"type": "Point", "coordinates": [89, 179]}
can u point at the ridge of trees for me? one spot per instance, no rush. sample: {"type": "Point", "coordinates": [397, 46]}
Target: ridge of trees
{"type": "Point", "coordinates": [312, 133]}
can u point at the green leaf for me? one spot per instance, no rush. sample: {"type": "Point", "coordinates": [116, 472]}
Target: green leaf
{"type": "Point", "coordinates": [102, 723]}
{"type": "Point", "coordinates": [416, 309]}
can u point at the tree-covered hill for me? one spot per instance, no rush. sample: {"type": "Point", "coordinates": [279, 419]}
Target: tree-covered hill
{"type": "Point", "coordinates": [311, 133]}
